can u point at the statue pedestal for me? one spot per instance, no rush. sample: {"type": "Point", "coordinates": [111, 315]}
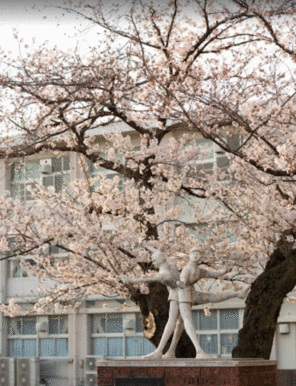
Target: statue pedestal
{"type": "Point", "coordinates": [185, 372]}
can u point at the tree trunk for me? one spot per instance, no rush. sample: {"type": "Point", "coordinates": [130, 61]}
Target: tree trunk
{"type": "Point", "coordinates": [155, 311]}
{"type": "Point", "coordinates": [263, 305]}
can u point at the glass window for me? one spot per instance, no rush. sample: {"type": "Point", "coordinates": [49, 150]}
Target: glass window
{"type": "Point", "coordinates": [24, 328]}
{"type": "Point", "coordinates": [29, 326]}
{"type": "Point", "coordinates": [47, 348]}
{"type": "Point", "coordinates": [56, 164]}
{"type": "Point", "coordinates": [29, 347]}
{"type": "Point", "coordinates": [66, 162]}
{"type": "Point", "coordinates": [27, 173]}
{"type": "Point", "coordinates": [229, 319]}
{"type": "Point", "coordinates": [26, 346]}
{"type": "Point", "coordinates": [61, 347]}
{"type": "Point", "coordinates": [99, 324]}
{"type": "Point", "coordinates": [219, 341]}
{"type": "Point", "coordinates": [209, 343]}
{"type": "Point", "coordinates": [99, 346]}
{"type": "Point", "coordinates": [138, 346]}
{"type": "Point", "coordinates": [111, 345]}
{"type": "Point", "coordinates": [55, 346]}
{"type": "Point", "coordinates": [208, 322]}
{"type": "Point", "coordinates": [228, 342]}
{"type": "Point", "coordinates": [134, 346]}
{"type": "Point", "coordinates": [15, 326]}
{"type": "Point", "coordinates": [148, 347]}
{"type": "Point", "coordinates": [53, 326]}
{"type": "Point", "coordinates": [50, 347]}
{"type": "Point", "coordinates": [58, 324]}
{"type": "Point", "coordinates": [195, 318]}
{"type": "Point", "coordinates": [59, 182]}
{"type": "Point", "coordinates": [107, 324]}
{"type": "Point", "coordinates": [15, 348]}
{"type": "Point", "coordinates": [22, 348]}
{"type": "Point", "coordinates": [15, 269]}
{"type": "Point", "coordinates": [139, 324]}
{"type": "Point", "coordinates": [114, 323]}
{"type": "Point", "coordinates": [115, 347]}
{"type": "Point", "coordinates": [59, 177]}
{"type": "Point", "coordinates": [60, 164]}
{"type": "Point", "coordinates": [63, 324]}
{"type": "Point", "coordinates": [26, 270]}
{"type": "Point", "coordinates": [22, 175]}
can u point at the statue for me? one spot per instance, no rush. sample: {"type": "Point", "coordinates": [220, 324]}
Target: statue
{"type": "Point", "coordinates": [188, 297]}
{"type": "Point", "coordinates": [169, 276]}
{"type": "Point", "coordinates": [182, 295]}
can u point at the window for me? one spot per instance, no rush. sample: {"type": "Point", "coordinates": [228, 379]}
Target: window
{"type": "Point", "coordinates": [107, 337]}
{"type": "Point", "coordinates": [111, 326]}
{"type": "Point", "coordinates": [56, 249]}
{"type": "Point", "coordinates": [22, 337]}
{"type": "Point", "coordinates": [215, 156]}
{"type": "Point", "coordinates": [22, 340]}
{"type": "Point", "coordinates": [23, 174]}
{"type": "Point", "coordinates": [60, 174]}
{"type": "Point", "coordinates": [56, 345]}
{"type": "Point", "coordinates": [138, 345]}
{"type": "Point", "coordinates": [93, 171]}
{"type": "Point", "coordinates": [16, 270]}
{"type": "Point", "coordinates": [217, 333]}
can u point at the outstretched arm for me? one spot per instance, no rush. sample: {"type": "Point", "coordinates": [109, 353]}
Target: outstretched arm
{"type": "Point", "coordinates": [134, 280]}
{"type": "Point", "coordinates": [213, 274]}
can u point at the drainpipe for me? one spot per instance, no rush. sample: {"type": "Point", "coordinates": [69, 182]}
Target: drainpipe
{"type": "Point", "coordinates": [2, 300]}
{"type": "Point", "coordinates": [75, 346]}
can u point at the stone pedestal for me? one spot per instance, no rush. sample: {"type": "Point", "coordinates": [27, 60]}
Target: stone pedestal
{"type": "Point", "coordinates": [185, 372]}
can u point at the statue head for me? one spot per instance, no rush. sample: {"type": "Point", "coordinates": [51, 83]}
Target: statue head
{"type": "Point", "coordinates": [157, 256]}
{"type": "Point", "coordinates": [194, 255]}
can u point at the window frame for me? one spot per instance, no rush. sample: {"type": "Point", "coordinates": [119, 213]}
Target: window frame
{"type": "Point", "coordinates": [106, 335]}
{"type": "Point", "coordinates": [123, 335]}
{"type": "Point", "coordinates": [21, 336]}
{"type": "Point", "coordinates": [218, 331]}
{"type": "Point", "coordinates": [35, 336]}
{"type": "Point", "coordinates": [9, 269]}
{"type": "Point", "coordinates": [213, 159]}
{"type": "Point", "coordinates": [40, 179]}
{"type": "Point", "coordinates": [56, 336]}
{"type": "Point", "coordinates": [62, 172]}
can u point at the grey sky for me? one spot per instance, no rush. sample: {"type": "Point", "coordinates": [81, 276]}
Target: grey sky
{"type": "Point", "coordinates": [40, 19]}
{"type": "Point", "coordinates": [32, 12]}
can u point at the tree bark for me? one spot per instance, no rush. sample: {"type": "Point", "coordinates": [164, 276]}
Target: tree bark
{"type": "Point", "coordinates": [154, 308]}
{"type": "Point", "coordinates": [264, 303]}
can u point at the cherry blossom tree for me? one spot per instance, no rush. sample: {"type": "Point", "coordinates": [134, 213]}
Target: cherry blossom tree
{"type": "Point", "coordinates": [191, 107]}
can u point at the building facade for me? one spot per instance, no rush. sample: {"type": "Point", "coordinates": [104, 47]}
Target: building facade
{"type": "Point", "coordinates": [67, 345]}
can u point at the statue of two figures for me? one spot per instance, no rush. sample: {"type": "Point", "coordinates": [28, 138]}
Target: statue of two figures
{"type": "Point", "coordinates": [182, 296]}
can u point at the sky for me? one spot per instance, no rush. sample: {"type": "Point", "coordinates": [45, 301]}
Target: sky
{"type": "Point", "coordinates": [41, 20]}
